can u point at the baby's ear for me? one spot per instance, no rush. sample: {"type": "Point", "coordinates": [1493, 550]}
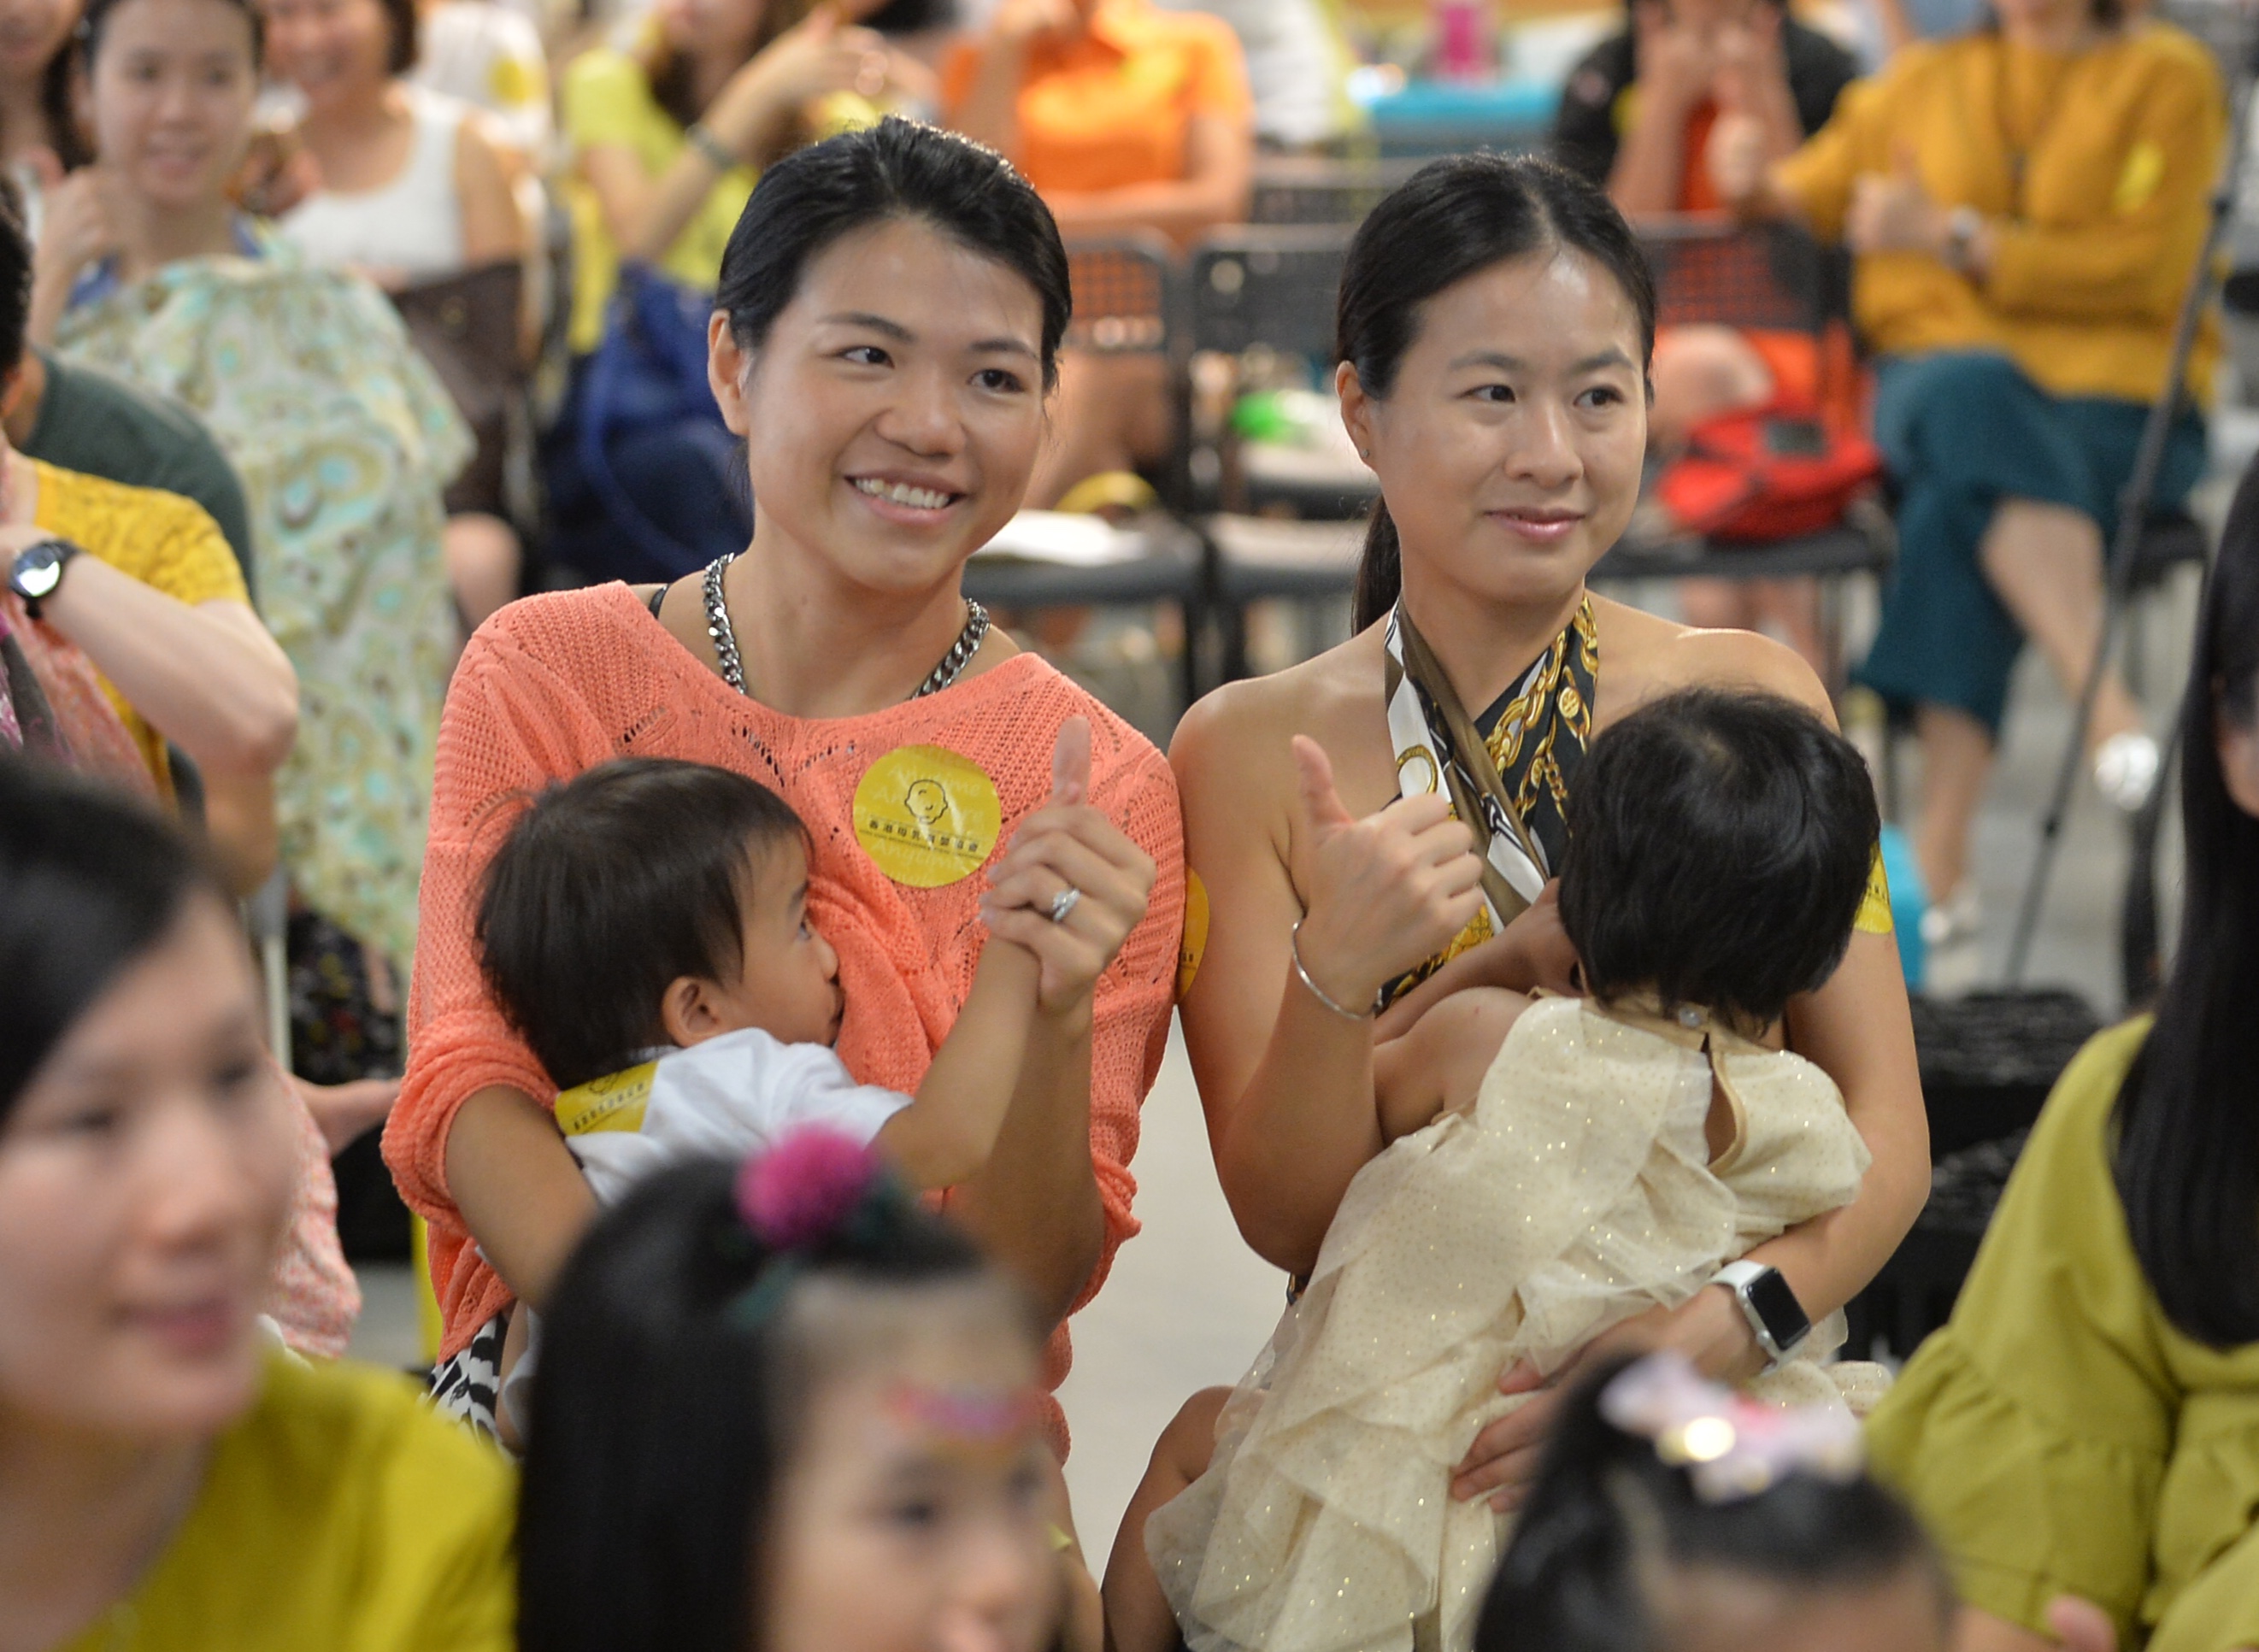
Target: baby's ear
{"type": "Point", "coordinates": [688, 1012]}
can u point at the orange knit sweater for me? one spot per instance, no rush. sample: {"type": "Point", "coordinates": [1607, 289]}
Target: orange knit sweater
{"type": "Point", "coordinates": [554, 685]}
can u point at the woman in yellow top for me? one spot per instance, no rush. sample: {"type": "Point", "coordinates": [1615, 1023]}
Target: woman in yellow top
{"type": "Point", "coordinates": [161, 609]}
{"type": "Point", "coordinates": [2088, 1423]}
{"type": "Point", "coordinates": [2027, 203]}
{"type": "Point", "coordinates": [1126, 117]}
{"type": "Point", "coordinates": [667, 133]}
{"type": "Point", "coordinates": [169, 1481]}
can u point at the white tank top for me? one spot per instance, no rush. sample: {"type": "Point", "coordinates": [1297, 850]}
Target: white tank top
{"type": "Point", "coordinates": [414, 223]}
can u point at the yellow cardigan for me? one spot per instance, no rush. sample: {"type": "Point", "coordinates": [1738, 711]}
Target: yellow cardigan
{"type": "Point", "coordinates": [2061, 1436]}
{"type": "Point", "coordinates": [2094, 246]}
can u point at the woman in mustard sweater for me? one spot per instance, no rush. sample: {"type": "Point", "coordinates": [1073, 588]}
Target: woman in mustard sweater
{"type": "Point", "coordinates": [2027, 203]}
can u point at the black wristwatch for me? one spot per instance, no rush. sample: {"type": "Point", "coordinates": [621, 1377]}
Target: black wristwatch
{"type": "Point", "coordinates": [1770, 1307]}
{"type": "Point", "coordinates": [38, 570]}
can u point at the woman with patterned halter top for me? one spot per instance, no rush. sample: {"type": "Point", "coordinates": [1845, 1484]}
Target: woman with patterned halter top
{"type": "Point", "coordinates": [1494, 323]}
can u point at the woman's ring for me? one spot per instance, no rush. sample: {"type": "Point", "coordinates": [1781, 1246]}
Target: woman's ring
{"type": "Point", "coordinates": [1063, 902]}
{"type": "Point", "coordinates": [871, 74]}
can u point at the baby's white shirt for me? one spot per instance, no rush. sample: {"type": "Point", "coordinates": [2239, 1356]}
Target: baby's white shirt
{"type": "Point", "coordinates": [728, 1097]}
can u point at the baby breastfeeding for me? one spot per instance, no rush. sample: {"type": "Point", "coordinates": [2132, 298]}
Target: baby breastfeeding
{"type": "Point", "coordinates": [1556, 1166]}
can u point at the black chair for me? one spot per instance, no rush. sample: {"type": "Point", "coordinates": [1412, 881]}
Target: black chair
{"type": "Point", "coordinates": [1713, 272]}
{"type": "Point", "coordinates": [1315, 189]}
{"type": "Point", "coordinates": [1125, 303]}
{"type": "Point", "coordinates": [1285, 528]}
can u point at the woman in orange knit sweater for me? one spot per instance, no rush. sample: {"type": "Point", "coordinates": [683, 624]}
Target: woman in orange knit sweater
{"type": "Point", "coordinates": [889, 314]}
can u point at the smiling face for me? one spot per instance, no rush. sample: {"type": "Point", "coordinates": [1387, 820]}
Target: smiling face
{"type": "Point", "coordinates": [1509, 447]}
{"type": "Point", "coordinates": [331, 49]}
{"type": "Point", "coordinates": [31, 33]}
{"type": "Point", "coordinates": [146, 1173]}
{"type": "Point", "coordinates": [173, 82]}
{"type": "Point", "coordinates": [912, 1516]}
{"type": "Point", "coordinates": [897, 407]}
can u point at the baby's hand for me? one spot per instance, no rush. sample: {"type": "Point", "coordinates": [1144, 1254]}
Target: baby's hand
{"type": "Point", "coordinates": [1073, 884]}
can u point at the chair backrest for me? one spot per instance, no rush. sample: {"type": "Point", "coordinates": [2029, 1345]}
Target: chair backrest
{"type": "Point", "coordinates": [1270, 285]}
{"type": "Point", "coordinates": [1710, 271]}
{"type": "Point", "coordinates": [1312, 189]}
{"type": "Point", "coordinates": [1124, 297]}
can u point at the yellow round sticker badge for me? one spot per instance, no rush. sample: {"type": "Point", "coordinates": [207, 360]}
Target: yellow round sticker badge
{"type": "Point", "coordinates": [926, 816]}
{"type": "Point", "coordinates": [1194, 946]}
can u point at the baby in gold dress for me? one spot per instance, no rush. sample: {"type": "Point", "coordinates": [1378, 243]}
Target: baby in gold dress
{"type": "Point", "coordinates": [1558, 1166]}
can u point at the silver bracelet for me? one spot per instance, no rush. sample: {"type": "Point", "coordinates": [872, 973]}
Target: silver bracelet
{"type": "Point", "coordinates": [718, 155]}
{"type": "Point", "coordinates": [1294, 947]}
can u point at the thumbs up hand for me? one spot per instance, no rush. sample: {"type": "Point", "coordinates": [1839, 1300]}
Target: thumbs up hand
{"type": "Point", "coordinates": [1071, 886]}
{"type": "Point", "coordinates": [1892, 212]}
{"type": "Point", "coordinates": [1382, 894]}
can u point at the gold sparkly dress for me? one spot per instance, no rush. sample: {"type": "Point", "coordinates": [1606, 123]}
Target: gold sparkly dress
{"type": "Point", "coordinates": [1577, 1193]}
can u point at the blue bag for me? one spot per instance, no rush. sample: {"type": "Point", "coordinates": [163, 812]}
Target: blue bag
{"type": "Point", "coordinates": [649, 368]}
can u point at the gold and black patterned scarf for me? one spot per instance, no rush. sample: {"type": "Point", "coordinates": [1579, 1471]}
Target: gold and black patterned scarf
{"type": "Point", "coordinates": [1507, 773]}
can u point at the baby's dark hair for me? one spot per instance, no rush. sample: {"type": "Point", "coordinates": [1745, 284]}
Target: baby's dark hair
{"type": "Point", "coordinates": [1608, 1519]}
{"type": "Point", "coordinates": [672, 1385]}
{"type": "Point", "coordinates": [1719, 848]}
{"type": "Point", "coordinates": [611, 887]}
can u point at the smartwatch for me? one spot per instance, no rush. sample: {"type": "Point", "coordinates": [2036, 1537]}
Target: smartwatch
{"type": "Point", "coordinates": [1770, 1307]}
{"type": "Point", "coordinates": [38, 570]}
{"type": "Point", "coordinates": [1962, 225]}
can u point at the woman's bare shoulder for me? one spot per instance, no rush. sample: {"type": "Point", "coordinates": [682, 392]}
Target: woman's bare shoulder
{"type": "Point", "coordinates": [1642, 656]}
{"type": "Point", "coordinates": [1250, 724]}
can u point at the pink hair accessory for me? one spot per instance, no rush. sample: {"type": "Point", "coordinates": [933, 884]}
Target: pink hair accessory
{"type": "Point", "coordinates": [801, 1190]}
{"type": "Point", "coordinates": [1732, 1446]}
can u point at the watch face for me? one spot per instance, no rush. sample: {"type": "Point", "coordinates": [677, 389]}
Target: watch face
{"type": "Point", "coordinates": [1776, 1306]}
{"type": "Point", "coordinates": [37, 572]}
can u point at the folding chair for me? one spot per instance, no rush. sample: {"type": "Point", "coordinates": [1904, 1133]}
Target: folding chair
{"type": "Point", "coordinates": [1713, 272]}
{"type": "Point", "coordinates": [1272, 288]}
{"type": "Point", "coordinates": [1124, 304]}
{"type": "Point", "coordinates": [1315, 189]}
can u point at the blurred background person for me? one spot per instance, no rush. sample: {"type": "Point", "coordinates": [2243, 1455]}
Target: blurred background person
{"type": "Point", "coordinates": [1638, 116]}
{"type": "Point", "coordinates": [413, 191]}
{"type": "Point", "coordinates": [2026, 204]}
{"type": "Point", "coordinates": [667, 133]}
{"type": "Point", "coordinates": [340, 433]}
{"type": "Point", "coordinates": [1125, 118]}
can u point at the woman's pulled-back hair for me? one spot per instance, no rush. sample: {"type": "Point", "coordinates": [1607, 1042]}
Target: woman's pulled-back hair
{"type": "Point", "coordinates": [611, 887]}
{"type": "Point", "coordinates": [95, 19]}
{"type": "Point", "coordinates": [1451, 219]}
{"type": "Point", "coordinates": [896, 169]}
{"type": "Point", "coordinates": [1608, 1519]}
{"type": "Point", "coordinates": [677, 1366]}
{"type": "Point", "coordinates": [89, 881]}
{"type": "Point", "coordinates": [1719, 848]}
{"type": "Point", "coordinates": [2188, 1129]}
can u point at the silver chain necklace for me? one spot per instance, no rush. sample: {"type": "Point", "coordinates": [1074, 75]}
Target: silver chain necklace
{"type": "Point", "coordinates": [725, 638]}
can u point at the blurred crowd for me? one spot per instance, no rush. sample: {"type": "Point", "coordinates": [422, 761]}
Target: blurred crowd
{"type": "Point", "coordinates": [485, 487]}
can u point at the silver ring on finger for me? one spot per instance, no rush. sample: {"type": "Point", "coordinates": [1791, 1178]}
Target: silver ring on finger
{"type": "Point", "coordinates": [1065, 902]}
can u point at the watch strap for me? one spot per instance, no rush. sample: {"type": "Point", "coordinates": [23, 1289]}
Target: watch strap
{"type": "Point", "coordinates": [60, 552]}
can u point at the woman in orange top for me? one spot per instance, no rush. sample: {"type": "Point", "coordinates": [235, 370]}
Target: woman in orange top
{"type": "Point", "coordinates": [889, 309]}
{"type": "Point", "coordinates": [1126, 117]}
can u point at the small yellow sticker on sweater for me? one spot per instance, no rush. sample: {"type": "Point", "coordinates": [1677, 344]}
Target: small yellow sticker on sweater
{"type": "Point", "coordinates": [926, 816]}
{"type": "Point", "coordinates": [1875, 911]}
{"type": "Point", "coordinates": [2145, 170]}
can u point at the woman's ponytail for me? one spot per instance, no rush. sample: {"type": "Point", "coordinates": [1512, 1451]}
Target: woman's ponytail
{"type": "Point", "coordinates": [1379, 567]}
